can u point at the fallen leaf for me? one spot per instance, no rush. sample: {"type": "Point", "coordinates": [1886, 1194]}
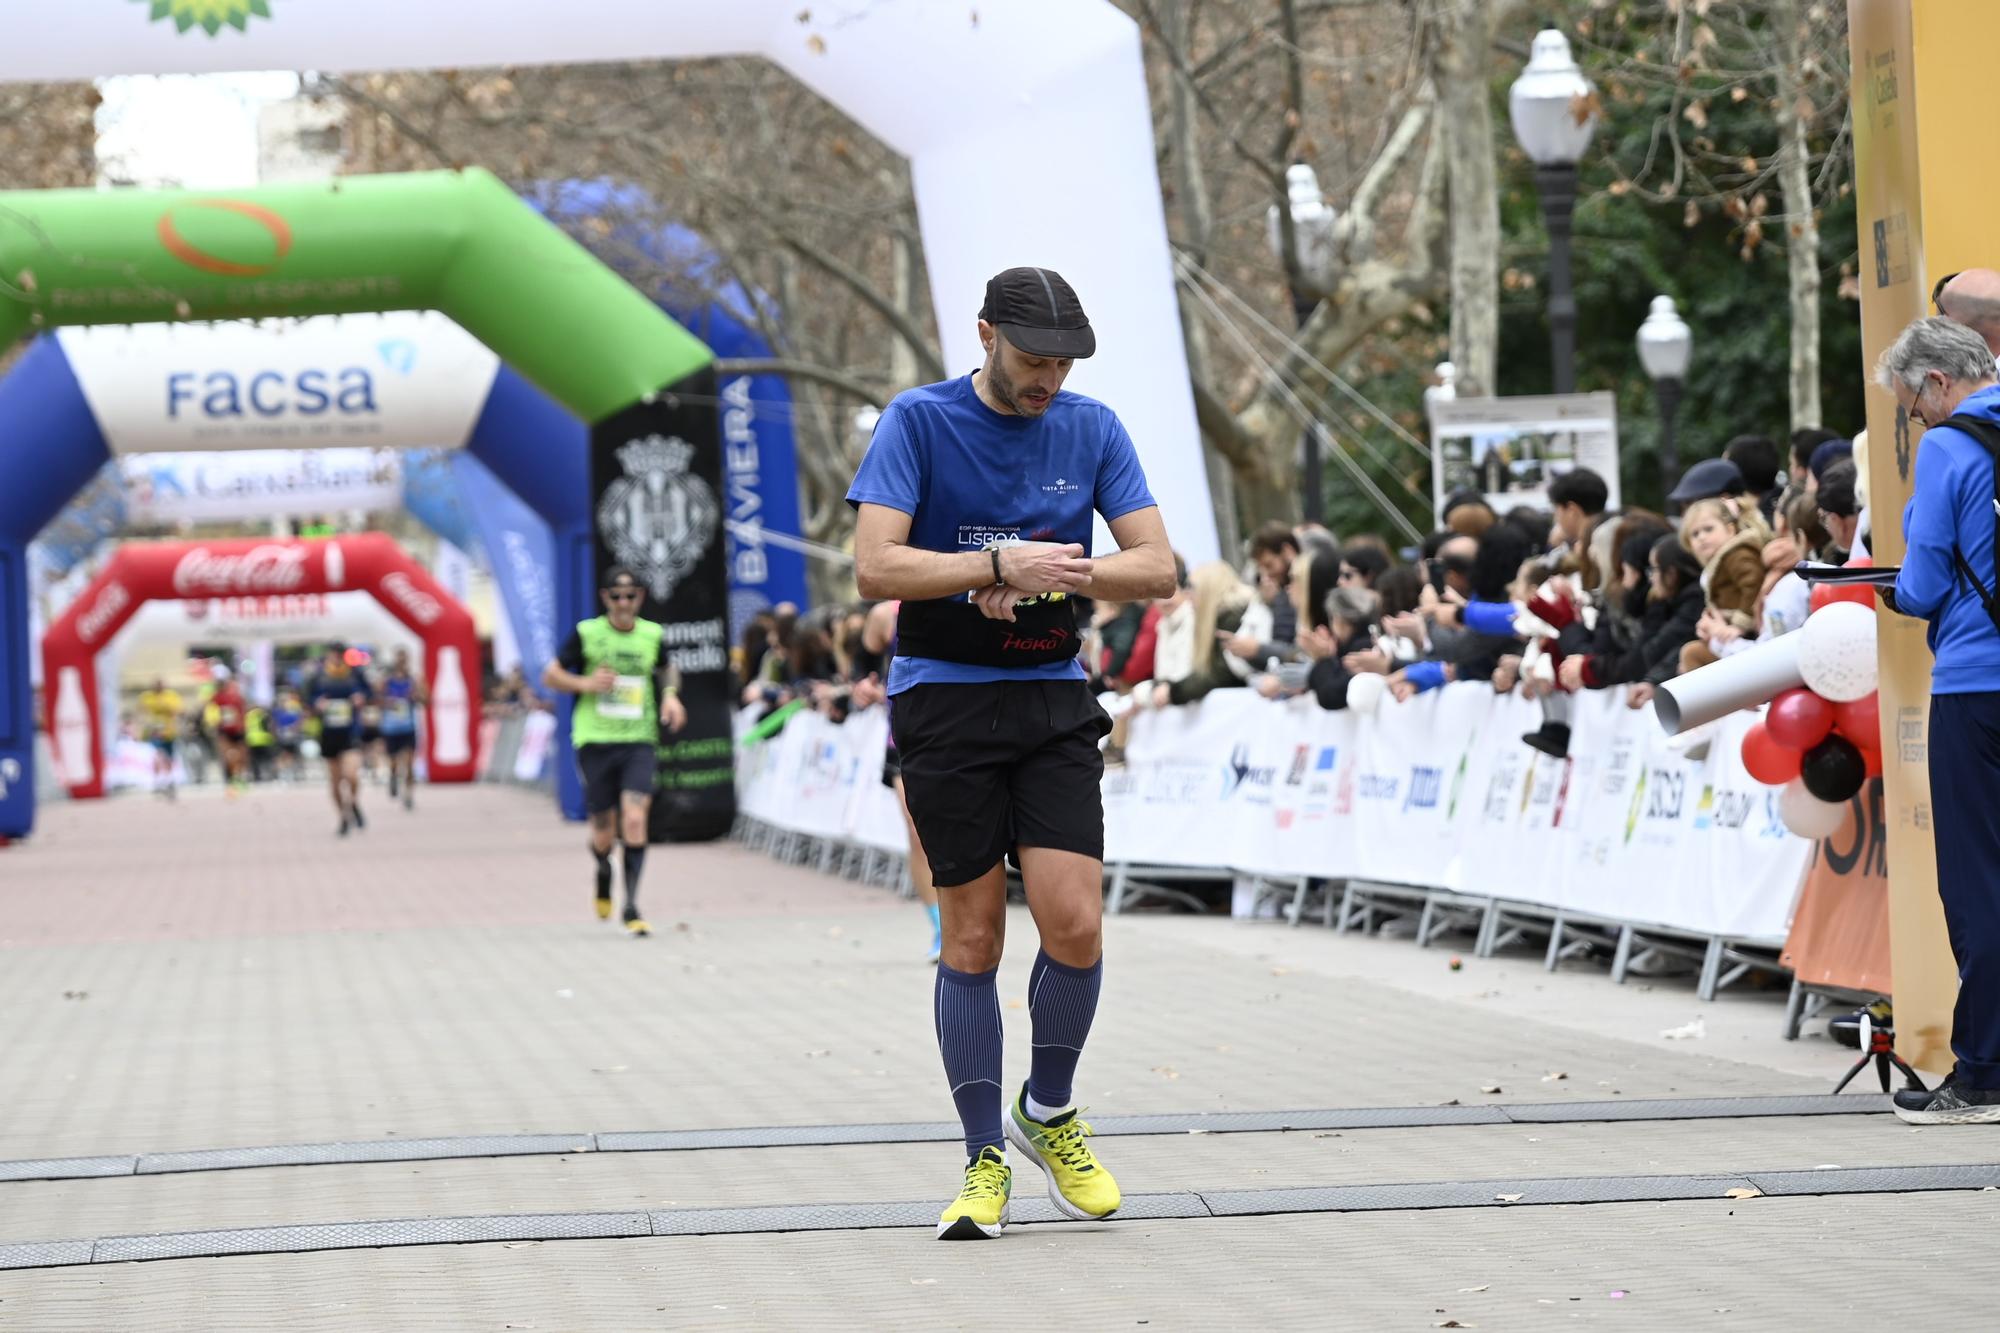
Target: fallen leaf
{"type": "Point", "coordinates": [1507, 1198]}
{"type": "Point", "coordinates": [1467, 1291]}
{"type": "Point", "coordinates": [1741, 1193]}
{"type": "Point", "coordinates": [1452, 1323]}
{"type": "Point", "coordinates": [1167, 1070]}
{"type": "Point", "coordinates": [1555, 1076]}
{"type": "Point", "coordinates": [817, 45]}
{"type": "Point", "coordinates": [923, 1282]}
{"type": "Point", "coordinates": [1491, 1089]}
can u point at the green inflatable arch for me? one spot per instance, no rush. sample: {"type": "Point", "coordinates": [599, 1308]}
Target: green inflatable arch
{"type": "Point", "coordinates": [453, 241]}
{"type": "Point", "coordinates": [458, 242]}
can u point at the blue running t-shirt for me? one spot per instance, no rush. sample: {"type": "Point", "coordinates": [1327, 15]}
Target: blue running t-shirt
{"type": "Point", "coordinates": [969, 476]}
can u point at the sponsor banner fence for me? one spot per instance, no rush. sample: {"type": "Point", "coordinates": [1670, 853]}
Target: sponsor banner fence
{"type": "Point", "coordinates": [1437, 793]}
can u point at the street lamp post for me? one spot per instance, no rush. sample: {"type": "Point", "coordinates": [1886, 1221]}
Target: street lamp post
{"type": "Point", "coordinates": [1308, 271]}
{"type": "Point", "coordinates": [1554, 114]}
{"type": "Point", "coordinates": [1666, 345]}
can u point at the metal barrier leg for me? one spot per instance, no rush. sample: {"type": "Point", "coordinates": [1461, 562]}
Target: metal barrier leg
{"type": "Point", "coordinates": [1711, 970]}
{"type": "Point", "coordinates": [1424, 922]}
{"type": "Point", "coordinates": [1328, 906]}
{"type": "Point", "coordinates": [1795, 1006]}
{"type": "Point", "coordinates": [1298, 908]}
{"type": "Point", "coordinates": [1117, 895]}
{"type": "Point", "coordinates": [1346, 918]}
{"type": "Point", "coordinates": [1621, 958]}
{"type": "Point", "coordinates": [1554, 955]}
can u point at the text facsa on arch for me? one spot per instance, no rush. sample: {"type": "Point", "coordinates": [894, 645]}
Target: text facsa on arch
{"type": "Point", "coordinates": [270, 393]}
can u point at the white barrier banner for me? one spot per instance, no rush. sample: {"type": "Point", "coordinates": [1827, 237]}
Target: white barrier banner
{"type": "Point", "coordinates": [1438, 792]}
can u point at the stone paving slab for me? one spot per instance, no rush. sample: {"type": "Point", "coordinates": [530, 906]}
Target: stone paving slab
{"type": "Point", "coordinates": [799, 1000]}
{"type": "Point", "coordinates": [1714, 1264]}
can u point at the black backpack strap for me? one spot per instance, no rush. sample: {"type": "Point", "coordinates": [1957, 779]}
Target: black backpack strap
{"type": "Point", "coordinates": [1988, 436]}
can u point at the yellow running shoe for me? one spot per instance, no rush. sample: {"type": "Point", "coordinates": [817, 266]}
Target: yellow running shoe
{"type": "Point", "coordinates": [1079, 1186]}
{"type": "Point", "coordinates": [635, 925]}
{"type": "Point", "coordinates": [980, 1211]}
{"type": "Point", "coordinates": [604, 909]}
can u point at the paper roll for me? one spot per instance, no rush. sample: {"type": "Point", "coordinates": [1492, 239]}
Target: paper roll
{"type": "Point", "coordinates": [1741, 680]}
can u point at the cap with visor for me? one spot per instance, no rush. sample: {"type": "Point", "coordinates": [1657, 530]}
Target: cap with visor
{"type": "Point", "coordinates": [1038, 312]}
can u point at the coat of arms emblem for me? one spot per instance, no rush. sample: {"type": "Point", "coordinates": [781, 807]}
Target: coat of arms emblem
{"type": "Point", "coordinates": [659, 518]}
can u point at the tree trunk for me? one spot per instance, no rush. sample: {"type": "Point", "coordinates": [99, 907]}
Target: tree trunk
{"type": "Point", "coordinates": [1461, 36]}
{"type": "Point", "coordinates": [1801, 227]}
{"type": "Point", "coordinates": [1191, 202]}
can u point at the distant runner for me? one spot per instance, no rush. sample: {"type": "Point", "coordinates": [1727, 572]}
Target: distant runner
{"type": "Point", "coordinates": [616, 666]}
{"type": "Point", "coordinates": [401, 695]}
{"type": "Point", "coordinates": [160, 712]}
{"type": "Point", "coordinates": [336, 697]}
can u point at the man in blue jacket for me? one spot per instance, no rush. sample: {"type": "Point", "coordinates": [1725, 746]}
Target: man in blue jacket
{"type": "Point", "coordinates": [1942, 372]}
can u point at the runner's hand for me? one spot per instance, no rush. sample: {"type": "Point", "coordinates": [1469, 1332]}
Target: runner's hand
{"type": "Point", "coordinates": [1034, 567]}
{"type": "Point", "coordinates": [600, 681]}
{"type": "Point", "coordinates": [997, 602]}
{"type": "Point", "coordinates": [673, 713]}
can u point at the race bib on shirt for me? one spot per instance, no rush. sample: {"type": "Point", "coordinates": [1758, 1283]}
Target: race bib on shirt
{"type": "Point", "coordinates": [336, 713]}
{"type": "Point", "coordinates": [399, 709]}
{"type": "Point", "coordinates": [625, 701]}
{"type": "Point", "coordinates": [371, 716]}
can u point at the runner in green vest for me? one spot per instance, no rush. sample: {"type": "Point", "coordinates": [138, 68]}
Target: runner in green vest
{"type": "Point", "coordinates": [616, 666]}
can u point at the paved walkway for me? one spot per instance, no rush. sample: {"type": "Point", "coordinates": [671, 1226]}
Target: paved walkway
{"type": "Point", "coordinates": [228, 975]}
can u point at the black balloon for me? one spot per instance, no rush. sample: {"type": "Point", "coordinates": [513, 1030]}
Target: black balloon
{"type": "Point", "coordinates": [1833, 770]}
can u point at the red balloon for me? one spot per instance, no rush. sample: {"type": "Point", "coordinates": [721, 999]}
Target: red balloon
{"type": "Point", "coordinates": [1872, 758]}
{"type": "Point", "coordinates": [1826, 594]}
{"type": "Point", "coordinates": [1800, 719]}
{"type": "Point", "coordinates": [1860, 720]}
{"type": "Point", "coordinates": [1768, 761]}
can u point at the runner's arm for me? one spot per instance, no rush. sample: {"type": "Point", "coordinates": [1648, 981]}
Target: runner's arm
{"type": "Point", "coordinates": [1144, 564]}
{"type": "Point", "coordinates": [886, 565]}
{"type": "Point", "coordinates": [565, 673]}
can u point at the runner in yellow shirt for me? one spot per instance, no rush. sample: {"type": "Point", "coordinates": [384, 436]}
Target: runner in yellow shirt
{"type": "Point", "coordinates": [160, 714]}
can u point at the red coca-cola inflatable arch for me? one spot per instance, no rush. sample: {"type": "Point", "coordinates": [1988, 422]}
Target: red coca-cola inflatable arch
{"type": "Point", "coordinates": [370, 562]}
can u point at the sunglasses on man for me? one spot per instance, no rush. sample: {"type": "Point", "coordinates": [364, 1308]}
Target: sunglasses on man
{"type": "Point", "coordinates": [1937, 292]}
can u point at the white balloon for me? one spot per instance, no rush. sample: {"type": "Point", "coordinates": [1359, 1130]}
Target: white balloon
{"type": "Point", "coordinates": [1364, 692]}
{"type": "Point", "coordinates": [1806, 814]}
{"type": "Point", "coordinates": [1837, 652]}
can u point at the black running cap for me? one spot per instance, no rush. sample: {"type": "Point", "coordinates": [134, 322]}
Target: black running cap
{"type": "Point", "coordinates": [1038, 312]}
{"type": "Point", "coordinates": [619, 577]}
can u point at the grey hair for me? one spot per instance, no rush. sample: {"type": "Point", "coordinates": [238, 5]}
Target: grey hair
{"type": "Point", "coordinates": [1934, 343]}
{"type": "Point", "coordinates": [1357, 606]}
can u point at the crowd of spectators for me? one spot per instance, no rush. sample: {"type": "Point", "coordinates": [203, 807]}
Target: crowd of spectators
{"type": "Point", "coordinates": [1545, 602]}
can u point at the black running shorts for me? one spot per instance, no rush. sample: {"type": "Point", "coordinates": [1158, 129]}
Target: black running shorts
{"type": "Point", "coordinates": [992, 767]}
{"type": "Point", "coordinates": [335, 743]}
{"type": "Point", "coordinates": [610, 770]}
{"type": "Point", "coordinates": [398, 741]}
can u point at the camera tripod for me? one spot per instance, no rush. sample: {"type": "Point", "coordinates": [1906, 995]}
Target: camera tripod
{"type": "Point", "coordinates": [1879, 1044]}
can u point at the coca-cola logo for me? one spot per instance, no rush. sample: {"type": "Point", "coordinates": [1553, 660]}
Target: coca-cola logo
{"type": "Point", "coordinates": [420, 604]}
{"type": "Point", "coordinates": [114, 598]}
{"type": "Point", "coordinates": [266, 568]}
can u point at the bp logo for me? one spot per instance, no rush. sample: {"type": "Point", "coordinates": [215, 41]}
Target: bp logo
{"type": "Point", "coordinates": [208, 15]}
{"type": "Point", "coordinates": [659, 518]}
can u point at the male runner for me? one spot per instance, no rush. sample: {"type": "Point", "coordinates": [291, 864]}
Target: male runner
{"type": "Point", "coordinates": [401, 694]}
{"type": "Point", "coordinates": [336, 697]}
{"type": "Point", "coordinates": [975, 503]}
{"type": "Point", "coordinates": [230, 729]}
{"type": "Point", "coordinates": [616, 666]}
{"type": "Point", "coordinates": [160, 708]}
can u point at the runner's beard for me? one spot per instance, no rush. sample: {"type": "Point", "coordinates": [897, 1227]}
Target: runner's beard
{"type": "Point", "coordinates": [1008, 392]}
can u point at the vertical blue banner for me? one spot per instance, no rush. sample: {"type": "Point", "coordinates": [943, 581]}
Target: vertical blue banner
{"type": "Point", "coordinates": [522, 555]}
